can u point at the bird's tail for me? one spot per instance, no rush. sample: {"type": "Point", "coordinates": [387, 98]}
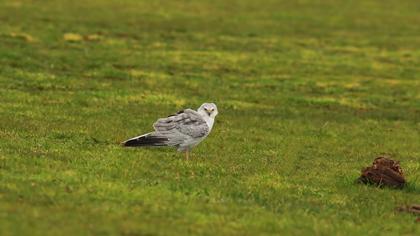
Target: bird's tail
{"type": "Point", "coordinates": [150, 139]}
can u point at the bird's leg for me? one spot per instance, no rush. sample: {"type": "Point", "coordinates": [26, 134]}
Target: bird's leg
{"type": "Point", "coordinates": [187, 155]}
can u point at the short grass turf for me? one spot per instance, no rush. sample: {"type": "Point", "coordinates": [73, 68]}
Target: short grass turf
{"type": "Point", "coordinates": [309, 92]}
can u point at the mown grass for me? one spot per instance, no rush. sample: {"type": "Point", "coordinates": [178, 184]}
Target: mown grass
{"type": "Point", "coordinates": [309, 92]}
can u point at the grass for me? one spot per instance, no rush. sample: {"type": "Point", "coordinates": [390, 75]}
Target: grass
{"type": "Point", "coordinates": [308, 92]}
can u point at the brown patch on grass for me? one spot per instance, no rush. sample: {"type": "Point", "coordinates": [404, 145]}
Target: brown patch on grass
{"type": "Point", "coordinates": [413, 208]}
{"type": "Point", "coordinates": [383, 172]}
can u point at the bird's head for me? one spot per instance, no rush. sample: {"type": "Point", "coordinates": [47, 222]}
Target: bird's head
{"type": "Point", "coordinates": [209, 109]}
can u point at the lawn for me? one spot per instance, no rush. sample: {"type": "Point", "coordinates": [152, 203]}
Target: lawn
{"type": "Point", "coordinates": [308, 92]}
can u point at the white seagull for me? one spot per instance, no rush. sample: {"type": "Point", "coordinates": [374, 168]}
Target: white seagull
{"type": "Point", "coordinates": [183, 130]}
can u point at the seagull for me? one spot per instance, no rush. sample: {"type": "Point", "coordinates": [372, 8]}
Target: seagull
{"type": "Point", "coordinates": [182, 130]}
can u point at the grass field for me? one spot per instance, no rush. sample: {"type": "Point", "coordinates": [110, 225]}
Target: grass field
{"type": "Point", "coordinates": [308, 92]}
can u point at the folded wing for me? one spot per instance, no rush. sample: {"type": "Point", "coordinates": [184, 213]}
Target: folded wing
{"type": "Point", "coordinates": [187, 122]}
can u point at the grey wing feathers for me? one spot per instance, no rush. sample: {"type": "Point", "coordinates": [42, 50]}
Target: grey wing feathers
{"type": "Point", "coordinates": [187, 122]}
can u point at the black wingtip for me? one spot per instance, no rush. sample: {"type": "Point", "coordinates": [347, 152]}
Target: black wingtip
{"type": "Point", "coordinates": [148, 140]}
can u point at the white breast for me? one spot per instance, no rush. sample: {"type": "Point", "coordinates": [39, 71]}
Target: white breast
{"type": "Point", "coordinates": [209, 121]}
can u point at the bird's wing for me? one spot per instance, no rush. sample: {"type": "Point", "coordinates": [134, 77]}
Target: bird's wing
{"type": "Point", "coordinates": [187, 122]}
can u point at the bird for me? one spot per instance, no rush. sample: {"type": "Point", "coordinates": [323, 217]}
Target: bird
{"type": "Point", "coordinates": [183, 130]}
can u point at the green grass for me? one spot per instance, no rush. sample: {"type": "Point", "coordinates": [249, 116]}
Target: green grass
{"type": "Point", "coordinates": [308, 92]}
